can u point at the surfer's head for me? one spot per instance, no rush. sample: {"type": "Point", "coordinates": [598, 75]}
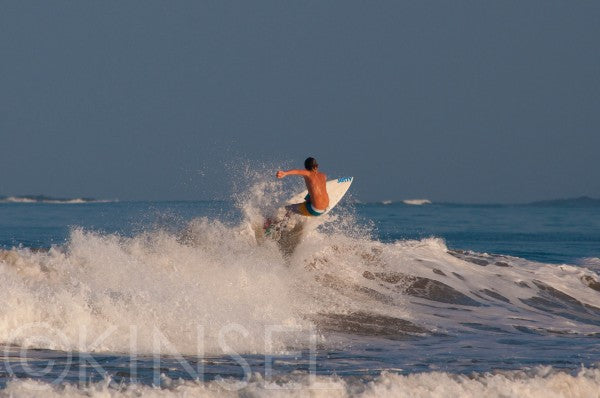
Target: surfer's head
{"type": "Point", "coordinates": [311, 164]}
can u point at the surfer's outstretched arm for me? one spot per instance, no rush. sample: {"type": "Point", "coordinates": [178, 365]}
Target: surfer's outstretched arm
{"type": "Point", "coordinates": [299, 172]}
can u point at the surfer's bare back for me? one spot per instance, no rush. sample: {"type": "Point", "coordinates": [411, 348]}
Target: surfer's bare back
{"type": "Point", "coordinates": [317, 199]}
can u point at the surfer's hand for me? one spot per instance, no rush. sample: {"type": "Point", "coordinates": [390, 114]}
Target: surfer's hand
{"type": "Point", "coordinates": [280, 174]}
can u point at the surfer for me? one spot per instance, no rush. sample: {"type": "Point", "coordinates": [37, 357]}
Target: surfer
{"type": "Point", "coordinates": [317, 200]}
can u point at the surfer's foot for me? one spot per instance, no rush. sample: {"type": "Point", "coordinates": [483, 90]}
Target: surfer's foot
{"type": "Point", "coordinates": [268, 223]}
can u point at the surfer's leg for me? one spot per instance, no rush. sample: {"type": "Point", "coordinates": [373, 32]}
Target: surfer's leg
{"type": "Point", "coordinates": [297, 208]}
{"type": "Point", "coordinates": [307, 209]}
{"type": "Point", "coordinates": [312, 211]}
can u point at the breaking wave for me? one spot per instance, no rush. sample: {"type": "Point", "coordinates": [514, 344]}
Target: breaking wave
{"type": "Point", "coordinates": [216, 282]}
{"type": "Point", "coordinates": [49, 199]}
{"type": "Point", "coordinates": [411, 202]}
{"type": "Point", "coordinates": [536, 382]}
{"type": "Point", "coordinates": [416, 202]}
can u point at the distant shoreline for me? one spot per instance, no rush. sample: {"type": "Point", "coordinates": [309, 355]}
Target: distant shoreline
{"type": "Point", "coordinates": [582, 201]}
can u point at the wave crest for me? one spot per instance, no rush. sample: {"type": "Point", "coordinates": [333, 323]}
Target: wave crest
{"type": "Point", "coordinates": [338, 279]}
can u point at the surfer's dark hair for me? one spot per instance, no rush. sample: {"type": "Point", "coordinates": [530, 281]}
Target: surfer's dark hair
{"type": "Point", "coordinates": [310, 164]}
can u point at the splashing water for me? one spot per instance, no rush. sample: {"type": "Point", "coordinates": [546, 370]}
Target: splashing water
{"type": "Point", "coordinates": [208, 287]}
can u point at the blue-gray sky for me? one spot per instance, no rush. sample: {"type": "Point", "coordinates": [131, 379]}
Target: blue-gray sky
{"type": "Point", "coordinates": [465, 101]}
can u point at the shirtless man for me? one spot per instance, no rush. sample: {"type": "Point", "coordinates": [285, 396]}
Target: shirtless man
{"type": "Point", "coordinates": [317, 199]}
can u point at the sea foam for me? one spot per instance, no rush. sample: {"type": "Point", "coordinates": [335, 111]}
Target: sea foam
{"type": "Point", "coordinates": [542, 382]}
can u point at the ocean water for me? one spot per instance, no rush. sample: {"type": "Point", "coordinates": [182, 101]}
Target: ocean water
{"type": "Point", "coordinates": [181, 299]}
